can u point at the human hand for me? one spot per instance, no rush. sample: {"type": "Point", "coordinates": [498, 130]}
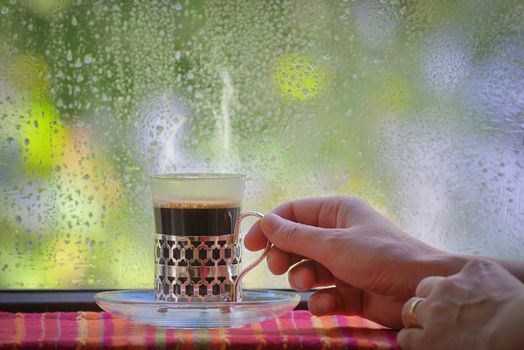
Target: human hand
{"type": "Point", "coordinates": [370, 265]}
{"type": "Point", "coordinates": [481, 307]}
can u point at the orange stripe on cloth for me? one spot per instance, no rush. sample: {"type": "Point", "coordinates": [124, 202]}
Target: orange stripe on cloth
{"type": "Point", "coordinates": [219, 339]}
{"type": "Point", "coordinates": [319, 326]}
{"type": "Point", "coordinates": [333, 331]}
{"type": "Point", "coordinates": [258, 333]}
{"type": "Point", "coordinates": [20, 331]}
{"type": "Point", "coordinates": [187, 337]}
{"type": "Point", "coordinates": [95, 330]}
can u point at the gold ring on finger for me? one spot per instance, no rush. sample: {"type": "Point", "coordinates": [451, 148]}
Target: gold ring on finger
{"type": "Point", "coordinates": [412, 320]}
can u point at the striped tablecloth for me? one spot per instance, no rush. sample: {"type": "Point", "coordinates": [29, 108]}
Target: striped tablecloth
{"type": "Point", "coordinates": [95, 330]}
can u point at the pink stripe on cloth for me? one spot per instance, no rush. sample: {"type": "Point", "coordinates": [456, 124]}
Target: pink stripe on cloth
{"type": "Point", "coordinates": [90, 330]}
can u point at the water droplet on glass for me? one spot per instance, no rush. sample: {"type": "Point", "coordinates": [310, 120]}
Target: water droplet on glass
{"type": "Point", "coordinates": [88, 59]}
{"type": "Point", "coordinates": [26, 142]}
{"type": "Point", "coordinates": [18, 219]}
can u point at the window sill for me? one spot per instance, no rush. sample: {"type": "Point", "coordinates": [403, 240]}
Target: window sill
{"type": "Point", "coordinates": [67, 300]}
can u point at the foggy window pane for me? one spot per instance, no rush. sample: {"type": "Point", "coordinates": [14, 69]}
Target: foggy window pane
{"type": "Point", "coordinates": [416, 106]}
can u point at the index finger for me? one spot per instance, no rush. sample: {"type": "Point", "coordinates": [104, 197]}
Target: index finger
{"type": "Point", "coordinates": [323, 212]}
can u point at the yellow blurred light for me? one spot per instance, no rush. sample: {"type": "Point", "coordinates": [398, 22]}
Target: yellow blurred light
{"type": "Point", "coordinates": [299, 77]}
{"type": "Point", "coordinates": [65, 267]}
{"type": "Point", "coordinates": [90, 192]}
{"type": "Point", "coordinates": [41, 138]}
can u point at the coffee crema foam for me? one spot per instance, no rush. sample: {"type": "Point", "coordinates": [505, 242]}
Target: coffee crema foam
{"type": "Point", "coordinates": [218, 204]}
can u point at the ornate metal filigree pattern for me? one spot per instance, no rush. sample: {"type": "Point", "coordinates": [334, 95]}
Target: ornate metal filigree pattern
{"type": "Point", "coordinates": [195, 268]}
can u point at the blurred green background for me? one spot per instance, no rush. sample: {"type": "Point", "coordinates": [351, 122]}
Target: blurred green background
{"type": "Point", "coordinates": [417, 106]}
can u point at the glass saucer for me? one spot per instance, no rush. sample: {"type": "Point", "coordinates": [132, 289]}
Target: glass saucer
{"type": "Point", "coordinates": [140, 306]}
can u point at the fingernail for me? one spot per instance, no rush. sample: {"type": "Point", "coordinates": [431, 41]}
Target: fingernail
{"type": "Point", "coordinates": [297, 283]}
{"type": "Point", "coordinates": [271, 223]}
{"type": "Point", "coordinates": [324, 303]}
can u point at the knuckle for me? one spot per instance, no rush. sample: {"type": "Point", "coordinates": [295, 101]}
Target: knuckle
{"type": "Point", "coordinates": [293, 232]}
{"type": "Point", "coordinates": [445, 286]}
{"type": "Point", "coordinates": [438, 308]}
{"type": "Point", "coordinates": [354, 201]}
{"type": "Point", "coordinates": [423, 285]}
{"type": "Point", "coordinates": [477, 265]}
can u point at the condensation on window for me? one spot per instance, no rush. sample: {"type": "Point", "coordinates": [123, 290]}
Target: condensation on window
{"type": "Point", "coordinates": [416, 106]}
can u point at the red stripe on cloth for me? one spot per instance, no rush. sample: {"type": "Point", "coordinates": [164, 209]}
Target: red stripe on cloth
{"type": "Point", "coordinates": [67, 330]}
{"type": "Point", "coordinates": [7, 329]}
{"type": "Point", "coordinates": [170, 341]}
{"type": "Point", "coordinates": [272, 334]}
{"type": "Point", "coordinates": [150, 337]}
{"type": "Point", "coordinates": [304, 321]}
{"type": "Point", "coordinates": [32, 330]}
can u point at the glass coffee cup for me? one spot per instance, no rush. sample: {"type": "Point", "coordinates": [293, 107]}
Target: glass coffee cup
{"type": "Point", "coordinates": [198, 250]}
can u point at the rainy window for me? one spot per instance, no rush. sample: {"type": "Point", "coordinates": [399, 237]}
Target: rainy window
{"type": "Point", "coordinates": [417, 106]}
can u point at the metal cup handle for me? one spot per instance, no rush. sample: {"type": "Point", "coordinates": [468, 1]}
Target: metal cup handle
{"type": "Point", "coordinates": [242, 216]}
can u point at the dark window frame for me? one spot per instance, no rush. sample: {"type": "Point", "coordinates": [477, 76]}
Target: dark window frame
{"type": "Point", "coordinates": [67, 300]}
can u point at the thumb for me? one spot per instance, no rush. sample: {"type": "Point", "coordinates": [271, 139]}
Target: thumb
{"type": "Point", "coordinates": [308, 241]}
